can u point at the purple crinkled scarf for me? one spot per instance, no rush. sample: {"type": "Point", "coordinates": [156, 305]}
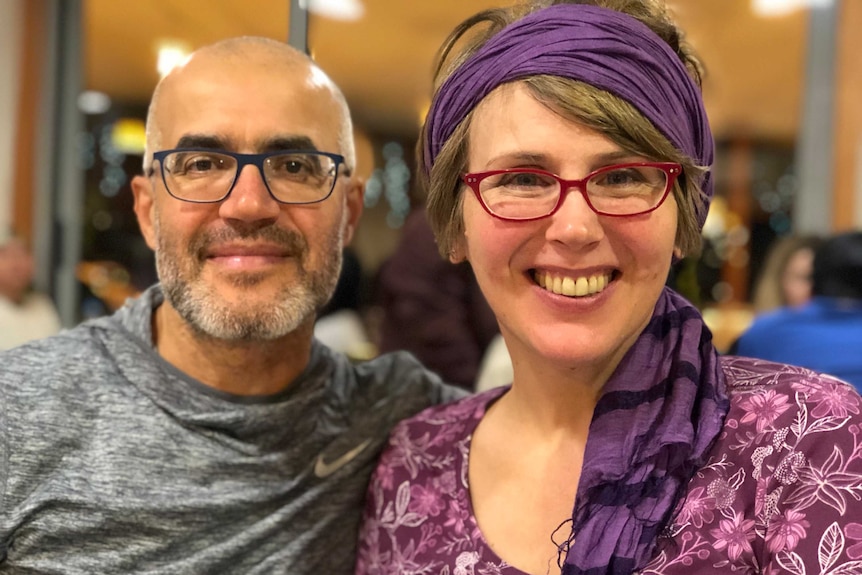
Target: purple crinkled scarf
{"type": "Point", "coordinates": [664, 406]}
{"type": "Point", "coordinates": [654, 424]}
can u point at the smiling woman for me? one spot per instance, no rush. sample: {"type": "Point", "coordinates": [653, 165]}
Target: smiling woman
{"type": "Point", "coordinates": [567, 155]}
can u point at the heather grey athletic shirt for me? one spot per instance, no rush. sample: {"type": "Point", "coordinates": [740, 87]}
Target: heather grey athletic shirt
{"type": "Point", "coordinates": [113, 461]}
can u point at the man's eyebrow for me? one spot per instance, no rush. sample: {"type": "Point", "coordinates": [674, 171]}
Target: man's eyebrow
{"type": "Point", "coordinates": [267, 145]}
{"type": "Point", "coordinates": [287, 143]}
{"type": "Point", "coordinates": [201, 141]}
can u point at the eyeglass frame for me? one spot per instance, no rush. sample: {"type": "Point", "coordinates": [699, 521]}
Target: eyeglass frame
{"type": "Point", "coordinates": [672, 171]}
{"type": "Point", "coordinates": [243, 160]}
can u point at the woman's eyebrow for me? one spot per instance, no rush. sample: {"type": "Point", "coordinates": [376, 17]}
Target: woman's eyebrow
{"type": "Point", "coordinates": [541, 158]}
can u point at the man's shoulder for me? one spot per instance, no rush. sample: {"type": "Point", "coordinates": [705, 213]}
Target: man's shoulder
{"type": "Point", "coordinates": [378, 393]}
{"type": "Point", "coordinates": [66, 347]}
{"type": "Point", "coordinates": [75, 362]}
{"type": "Point", "coordinates": [401, 374]}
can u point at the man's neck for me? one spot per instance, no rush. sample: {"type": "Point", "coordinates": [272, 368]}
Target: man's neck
{"type": "Point", "coordinates": [254, 368]}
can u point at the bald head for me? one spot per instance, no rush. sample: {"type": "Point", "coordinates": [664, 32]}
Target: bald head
{"type": "Point", "coordinates": [255, 65]}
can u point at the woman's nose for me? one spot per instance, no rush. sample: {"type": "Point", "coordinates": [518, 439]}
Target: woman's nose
{"type": "Point", "coordinates": [574, 222]}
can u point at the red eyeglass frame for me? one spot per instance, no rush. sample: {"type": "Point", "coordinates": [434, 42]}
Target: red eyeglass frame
{"type": "Point", "coordinates": [671, 169]}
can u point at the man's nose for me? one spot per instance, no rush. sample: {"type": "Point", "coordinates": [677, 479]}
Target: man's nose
{"type": "Point", "coordinates": [250, 200]}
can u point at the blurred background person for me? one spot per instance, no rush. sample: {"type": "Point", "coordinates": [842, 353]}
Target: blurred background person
{"type": "Point", "coordinates": [433, 308]}
{"type": "Point", "coordinates": [785, 278]}
{"type": "Point", "coordinates": [340, 324]}
{"type": "Point", "coordinates": [496, 367]}
{"type": "Point", "coordinates": [824, 334]}
{"type": "Point", "coordinates": [24, 313]}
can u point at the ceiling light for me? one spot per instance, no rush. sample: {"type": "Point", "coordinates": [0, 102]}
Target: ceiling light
{"type": "Point", "coordinates": [335, 9]}
{"type": "Point", "coordinates": [171, 56]}
{"type": "Point", "coordinates": [784, 7]}
{"type": "Point", "coordinates": [93, 102]}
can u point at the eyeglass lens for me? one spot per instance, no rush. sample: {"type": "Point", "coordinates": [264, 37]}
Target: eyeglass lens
{"type": "Point", "coordinates": [208, 176]}
{"type": "Point", "coordinates": [524, 194]}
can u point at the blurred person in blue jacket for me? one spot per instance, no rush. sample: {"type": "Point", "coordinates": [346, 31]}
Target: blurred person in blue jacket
{"type": "Point", "coordinates": [826, 333]}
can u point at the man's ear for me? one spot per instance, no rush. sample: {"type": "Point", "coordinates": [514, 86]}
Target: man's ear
{"type": "Point", "coordinates": [142, 189]}
{"type": "Point", "coordinates": [354, 202]}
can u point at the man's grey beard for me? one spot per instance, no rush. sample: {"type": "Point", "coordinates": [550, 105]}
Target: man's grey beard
{"type": "Point", "coordinates": [200, 306]}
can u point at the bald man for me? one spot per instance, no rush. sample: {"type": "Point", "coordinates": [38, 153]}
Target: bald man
{"type": "Point", "coordinates": [201, 428]}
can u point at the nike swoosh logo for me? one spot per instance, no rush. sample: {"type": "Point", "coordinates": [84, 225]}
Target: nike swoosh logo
{"type": "Point", "coordinates": [323, 469]}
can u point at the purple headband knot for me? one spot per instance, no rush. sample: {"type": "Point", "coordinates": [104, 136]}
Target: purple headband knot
{"type": "Point", "coordinates": [601, 47]}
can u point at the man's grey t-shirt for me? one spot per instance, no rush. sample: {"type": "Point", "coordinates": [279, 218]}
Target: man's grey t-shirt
{"type": "Point", "coordinates": [113, 461]}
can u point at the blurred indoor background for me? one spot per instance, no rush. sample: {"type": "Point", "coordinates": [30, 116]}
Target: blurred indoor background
{"type": "Point", "coordinates": [783, 89]}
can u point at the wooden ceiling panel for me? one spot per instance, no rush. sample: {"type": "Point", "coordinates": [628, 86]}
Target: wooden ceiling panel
{"type": "Point", "coordinates": [755, 66]}
{"type": "Point", "coordinates": [383, 61]}
{"type": "Point", "coordinates": [122, 38]}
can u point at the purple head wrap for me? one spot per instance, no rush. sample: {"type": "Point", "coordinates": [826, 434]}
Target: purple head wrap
{"type": "Point", "coordinates": [601, 47]}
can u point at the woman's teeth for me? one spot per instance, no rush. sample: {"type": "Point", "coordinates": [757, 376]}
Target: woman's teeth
{"type": "Point", "coordinates": [573, 287]}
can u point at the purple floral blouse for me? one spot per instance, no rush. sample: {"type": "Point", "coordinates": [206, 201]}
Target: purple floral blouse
{"type": "Point", "coordinates": [781, 492]}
